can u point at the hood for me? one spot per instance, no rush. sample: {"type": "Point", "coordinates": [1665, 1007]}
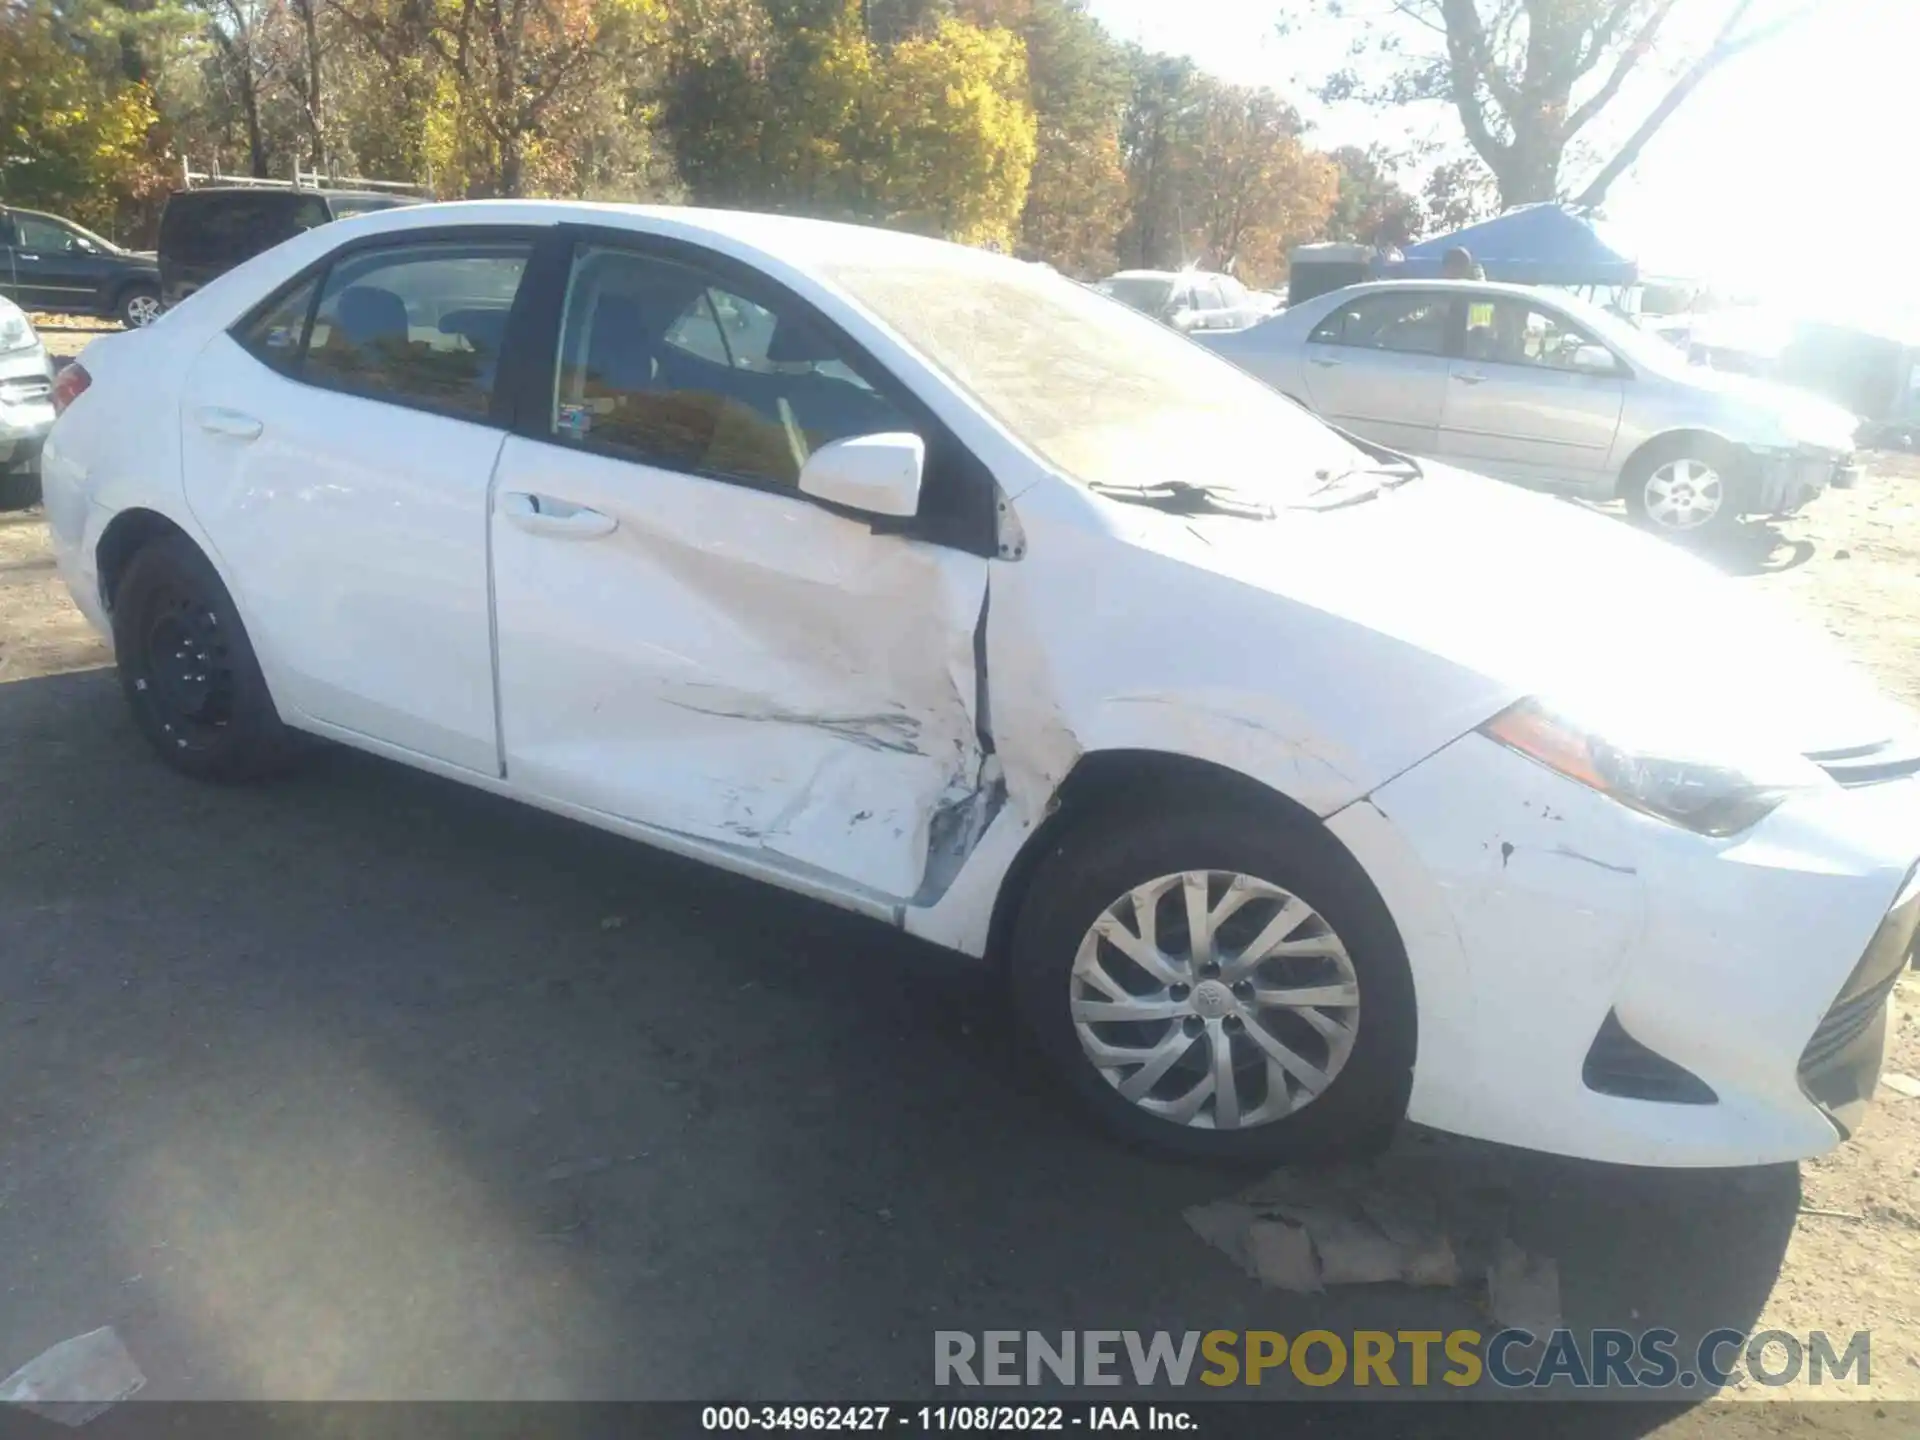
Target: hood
{"type": "Point", "coordinates": [1799, 417]}
{"type": "Point", "coordinates": [1543, 597]}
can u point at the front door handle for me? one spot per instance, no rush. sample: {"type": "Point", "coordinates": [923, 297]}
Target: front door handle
{"type": "Point", "coordinates": [1471, 379]}
{"type": "Point", "coordinates": [218, 420]}
{"type": "Point", "coordinates": [560, 519]}
{"type": "Point", "coordinates": [1325, 362]}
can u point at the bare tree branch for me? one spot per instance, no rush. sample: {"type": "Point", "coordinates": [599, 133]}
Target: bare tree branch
{"type": "Point", "coordinates": [1637, 50]}
{"type": "Point", "coordinates": [1726, 45]}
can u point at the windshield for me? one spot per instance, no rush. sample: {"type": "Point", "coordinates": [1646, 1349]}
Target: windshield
{"type": "Point", "coordinates": [1107, 396]}
{"type": "Point", "coordinates": [1143, 292]}
{"type": "Point", "coordinates": [1638, 346]}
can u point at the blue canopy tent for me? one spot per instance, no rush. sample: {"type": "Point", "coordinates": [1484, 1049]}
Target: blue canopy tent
{"type": "Point", "coordinates": [1533, 245]}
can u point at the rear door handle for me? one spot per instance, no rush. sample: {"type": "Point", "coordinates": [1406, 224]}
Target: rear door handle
{"type": "Point", "coordinates": [560, 519]}
{"type": "Point", "coordinates": [218, 420]}
{"type": "Point", "coordinates": [1471, 379]}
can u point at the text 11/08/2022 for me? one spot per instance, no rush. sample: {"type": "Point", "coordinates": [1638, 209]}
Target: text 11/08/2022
{"type": "Point", "coordinates": [921, 1419]}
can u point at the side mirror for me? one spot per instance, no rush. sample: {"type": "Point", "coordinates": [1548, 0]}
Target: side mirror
{"type": "Point", "coordinates": [1595, 360]}
{"type": "Point", "coordinates": [877, 474]}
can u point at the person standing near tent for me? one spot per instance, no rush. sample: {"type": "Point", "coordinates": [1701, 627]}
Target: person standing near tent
{"type": "Point", "coordinates": [1459, 264]}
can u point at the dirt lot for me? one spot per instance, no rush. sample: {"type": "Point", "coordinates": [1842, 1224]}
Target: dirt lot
{"type": "Point", "coordinates": [367, 1085]}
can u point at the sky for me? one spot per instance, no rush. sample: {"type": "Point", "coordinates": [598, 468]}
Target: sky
{"type": "Point", "coordinates": [1801, 155]}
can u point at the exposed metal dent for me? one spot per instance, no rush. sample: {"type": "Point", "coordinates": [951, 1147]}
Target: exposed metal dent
{"type": "Point", "coordinates": [896, 731]}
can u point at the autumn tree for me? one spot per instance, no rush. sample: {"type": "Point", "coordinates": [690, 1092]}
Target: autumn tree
{"type": "Point", "coordinates": [959, 134]}
{"type": "Point", "coordinates": [1527, 78]}
{"type": "Point", "coordinates": [1371, 206]}
{"type": "Point", "coordinates": [72, 134]}
{"type": "Point", "coordinates": [1458, 193]}
{"type": "Point", "coordinates": [1256, 189]}
{"type": "Point", "coordinates": [508, 77]}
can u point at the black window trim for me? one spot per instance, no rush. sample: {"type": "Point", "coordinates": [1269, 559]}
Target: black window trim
{"type": "Point", "coordinates": [1453, 326]}
{"type": "Point", "coordinates": [536, 347]}
{"type": "Point", "coordinates": [506, 385]}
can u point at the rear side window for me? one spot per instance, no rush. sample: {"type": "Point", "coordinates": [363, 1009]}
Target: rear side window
{"type": "Point", "coordinates": [1404, 324]}
{"type": "Point", "coordinates": [419, 325]}
{"type": "Point", "coordinates": [277, 334]}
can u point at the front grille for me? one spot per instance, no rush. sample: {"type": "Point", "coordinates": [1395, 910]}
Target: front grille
{"type": "Point", "coordinates": [1618, 1064]}
{"type": "Point", "coordinates": [1871, 764]}
{"type": "Point", "coordinates": [1845, 1023]}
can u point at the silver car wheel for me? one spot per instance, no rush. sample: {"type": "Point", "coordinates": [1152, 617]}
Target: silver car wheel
{"type": "Point", "coordinates": [1684, 494]}
{"type": "Point", "coordinates": [143, 310]}
{"type": "Point", "coordinates": [1215, 1000]}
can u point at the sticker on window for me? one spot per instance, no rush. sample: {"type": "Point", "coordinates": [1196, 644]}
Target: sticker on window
{"type": "Point", "coordinates": [575, 420]}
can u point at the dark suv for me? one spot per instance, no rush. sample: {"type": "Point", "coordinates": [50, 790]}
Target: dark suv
{"type": "Point", "coordinates": [205, 233]}
{"type": "Point", "coordinates": [51, 264]}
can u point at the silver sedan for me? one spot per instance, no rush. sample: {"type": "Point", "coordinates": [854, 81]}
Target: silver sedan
{"type": "Point", "coordinates": [1540, 388]}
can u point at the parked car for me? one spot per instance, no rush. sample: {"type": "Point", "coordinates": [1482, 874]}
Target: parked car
{"type": "Point", "coordinates": [1544, 389]}
{"type": "Point", "coordinates": [1298, 786]}
{"type": "Point", "coordinates": [1187, 299]}
{"type": "Point", "coordinates": [51, 264]}
{"type": "Point", "coordinates": [205, 233]}
{"type": "Point", "coordinates": [26, 407]}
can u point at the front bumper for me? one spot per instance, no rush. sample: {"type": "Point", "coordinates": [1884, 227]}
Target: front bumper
{"type": "Point", "coordinates": [1785, 481]}
{"type": "Point", "coordinates": [26, 411]}
{"type": "Point", "coordinates": [1543, 921]}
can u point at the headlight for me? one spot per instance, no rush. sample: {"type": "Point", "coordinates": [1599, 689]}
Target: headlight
{"type": "Point", "coordinates": [1707, 794]}
{"type": "Point", "coordinates": [15, 332]}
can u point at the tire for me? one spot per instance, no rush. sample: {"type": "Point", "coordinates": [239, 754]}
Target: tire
{"type": "Point", "coordinates": [1099, 861]}
{"type": "Point", "coordinates": [1669, 472]}
{"type": "Point", "coordinates": [138, 306]}
{"type": "Point", "coordinates": [19, 487]}
{"type": "Point", "coordinates": [188, 670]}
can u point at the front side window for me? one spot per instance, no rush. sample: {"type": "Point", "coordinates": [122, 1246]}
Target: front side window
{"type": "Point", "coordinates": [1516, 333]}
{"type": "Point", "coordinates": [46, 237]}
{"type": "Point", "coordinates": [420, 325]}
{"type": "Point", "coordinates": [1404, 324]}
{"type": "Point", "coordinates": [667, 365]}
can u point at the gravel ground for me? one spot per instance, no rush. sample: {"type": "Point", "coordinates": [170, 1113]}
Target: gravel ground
{"type": "Point", "coordinates": [367, 1085]}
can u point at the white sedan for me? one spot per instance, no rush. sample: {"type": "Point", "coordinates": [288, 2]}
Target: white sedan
{"type": "Point", "coordinates": [1299, 787]}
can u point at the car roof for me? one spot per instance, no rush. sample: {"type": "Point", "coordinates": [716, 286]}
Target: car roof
{"type": "Point", "coordinates": [794, 239]}
{"type": "Point", "coordinates": [1466, 287]}
{"type": "Point", "coordinates": [1160, 274]}
{"type": "Point", "coordinates": [283, 190]}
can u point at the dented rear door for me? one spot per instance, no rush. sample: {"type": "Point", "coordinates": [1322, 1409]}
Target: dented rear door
{"type": "Point", "coordinates": [734, 664]}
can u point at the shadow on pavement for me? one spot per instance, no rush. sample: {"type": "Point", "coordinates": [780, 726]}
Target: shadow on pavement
{"type": "Point", "coordinates": [364, 1084]}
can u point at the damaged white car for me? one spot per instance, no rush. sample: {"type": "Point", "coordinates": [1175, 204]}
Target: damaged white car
{"type": "Point", "coordinates": [1298, 786]}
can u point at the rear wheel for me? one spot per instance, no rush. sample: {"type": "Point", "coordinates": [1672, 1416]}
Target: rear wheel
{"type": "Point", "coordinates": [188, 670]}
{"type": "Point", "coordinates": [1222, 984]}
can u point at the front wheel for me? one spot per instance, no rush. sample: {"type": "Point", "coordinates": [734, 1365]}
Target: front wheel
{"type": "Point", "coordinates": [188, 670]}
{"type": "Point", "coordinates": [1219, 983]}
{"type": "Point", "coordinates": [139, 306]}
{"type": "Point", "coordinates": [1690, 488]}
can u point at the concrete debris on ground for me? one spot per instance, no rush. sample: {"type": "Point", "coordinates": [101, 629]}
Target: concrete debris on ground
{"type": "Point", "coordinates": [1403, 1218]}
{"type": "Point", "coordinates": [1523, 1291]}
{"type": "Point", "coordinates": [75, 1380]}
{"type": "Point", "coordinates": [1901, 1084]}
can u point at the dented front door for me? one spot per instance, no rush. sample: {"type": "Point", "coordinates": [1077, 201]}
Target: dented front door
{"type": "Point", "coordinates": [734, 664]}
